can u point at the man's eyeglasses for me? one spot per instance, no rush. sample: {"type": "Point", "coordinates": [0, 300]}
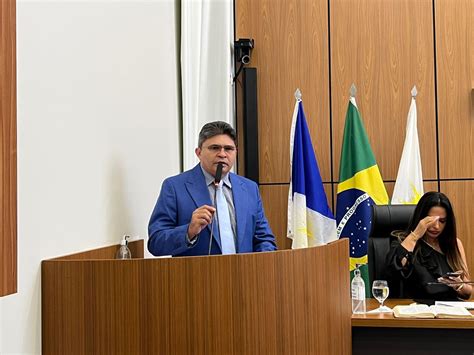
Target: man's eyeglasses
{"type": "Point", "coordinates": [216, 148]}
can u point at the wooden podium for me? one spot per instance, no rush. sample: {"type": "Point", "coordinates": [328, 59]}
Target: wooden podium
{"type": "Point", "coordinates": [284, 302]}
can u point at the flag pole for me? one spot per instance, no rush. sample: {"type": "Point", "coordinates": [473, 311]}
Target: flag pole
{"type": "Point", "coordinates": [353, 93]}
{"type": "Point", "coordinates": [298, 94]}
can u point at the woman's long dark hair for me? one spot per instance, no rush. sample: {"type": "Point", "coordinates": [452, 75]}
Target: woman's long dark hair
{"type": "Point", "coordinates": [448, 242]}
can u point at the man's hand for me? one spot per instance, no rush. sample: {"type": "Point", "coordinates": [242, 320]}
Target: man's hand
{"type": "Point", "coordinates": [202, 216]}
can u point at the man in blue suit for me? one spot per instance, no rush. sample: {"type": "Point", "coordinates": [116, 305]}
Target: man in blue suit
{"type": "Point", "coordinates": [180, 224]}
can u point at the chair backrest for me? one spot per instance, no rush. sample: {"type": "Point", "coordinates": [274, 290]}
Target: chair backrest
{"type": "Point", "coordinates": [385, 219]}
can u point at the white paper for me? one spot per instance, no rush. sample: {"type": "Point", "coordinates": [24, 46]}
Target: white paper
{"type": "Point", "coordinates": [467, 305]}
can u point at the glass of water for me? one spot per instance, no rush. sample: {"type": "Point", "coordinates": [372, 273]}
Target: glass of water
{"type": "Point", "coordinates": [380, 291]}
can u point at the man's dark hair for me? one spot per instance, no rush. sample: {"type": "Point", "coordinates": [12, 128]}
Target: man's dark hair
{"type": "Point", "coordinates": [216, 128]}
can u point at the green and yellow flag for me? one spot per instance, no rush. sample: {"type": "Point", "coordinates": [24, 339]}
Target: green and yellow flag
{"type": "Point", "coordinates": [360, 186]}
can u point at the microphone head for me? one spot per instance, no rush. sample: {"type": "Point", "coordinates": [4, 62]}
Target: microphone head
{"type": "Point", "coordinates": [217, 178]}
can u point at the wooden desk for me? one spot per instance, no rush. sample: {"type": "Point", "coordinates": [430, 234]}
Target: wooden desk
{"type": "Point", "coordinates": [382, 333]}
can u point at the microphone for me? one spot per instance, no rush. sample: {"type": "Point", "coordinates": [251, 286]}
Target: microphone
{"type": "Point", "coordinates": [218, 177]}
{"type": "Point", "coordinates": [217, 180]}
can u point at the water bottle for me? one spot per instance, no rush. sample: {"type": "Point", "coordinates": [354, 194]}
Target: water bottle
{"type": "Point", "coordinates": [124, 251]}
{"type": "Point", "coordinates": [358, 292]}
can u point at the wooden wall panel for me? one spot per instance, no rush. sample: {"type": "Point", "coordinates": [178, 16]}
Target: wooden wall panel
{"type": "Point", "coordinates": [275, 203]}
{"type": "Point", "coordinates": [460, 193]}
{"type": "Point", "coordinates": [427, 186]}
{"type": "Point", "coordinates": [8, 174]}
{"type": "Point", "coordinates": [384, 47]}
{"type": "Point", "coordinates": [430, 186]}
{"type": "Point", "coordinates": [455, 57]}
{"type": "Point", "coordinates": [291, 51]}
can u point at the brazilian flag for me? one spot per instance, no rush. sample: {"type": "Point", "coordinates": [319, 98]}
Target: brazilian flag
{"type": "Point", "coordinates": [360, 186]}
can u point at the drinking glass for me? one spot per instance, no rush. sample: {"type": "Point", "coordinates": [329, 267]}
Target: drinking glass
{"type": "Point", "coordinates": [380, 291]}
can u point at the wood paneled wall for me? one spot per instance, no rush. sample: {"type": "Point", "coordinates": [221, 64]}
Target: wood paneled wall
{"type": "Point", "coordinates": [455, 82]}
{"type": "Point", "coordinates": [455, 56]}
{"type": "Point", "coordinates": [291, 37]}
{"type": "Point", "coordinates": [384, 47]}
{"type": "Point", "coordinates": [8, 204]}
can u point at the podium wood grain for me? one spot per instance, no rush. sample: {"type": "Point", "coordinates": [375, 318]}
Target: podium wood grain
{"type": "Point", "coordinates": [136, 249]}
{"type": "Point", "coordinates": [285, 302]}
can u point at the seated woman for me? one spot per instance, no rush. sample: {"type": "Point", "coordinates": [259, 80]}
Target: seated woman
{"type": "Point", "coordinates": [427, 250]}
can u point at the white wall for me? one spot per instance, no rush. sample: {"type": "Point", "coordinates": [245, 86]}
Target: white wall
{"type": "Point", "coordinates": [97, 133]}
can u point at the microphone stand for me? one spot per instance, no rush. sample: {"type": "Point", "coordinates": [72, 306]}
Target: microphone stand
{"type": "Point", "coordinates": [213, 219]}
{"type": "Point", "coordinates": [217, 180]}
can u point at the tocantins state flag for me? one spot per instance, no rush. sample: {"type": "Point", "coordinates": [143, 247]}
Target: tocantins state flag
{"type": "Point", "coordinates": [360, 186]}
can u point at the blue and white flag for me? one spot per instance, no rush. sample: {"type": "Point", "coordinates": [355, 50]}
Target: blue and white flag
{"type": "Point", "coordinates": [310, 221]}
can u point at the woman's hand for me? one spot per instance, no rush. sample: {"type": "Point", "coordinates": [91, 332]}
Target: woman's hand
{"type": "Point", "coordinates": [424, 224]}
{"type": "Point", "coordinates": [452, 279]}
{"type": "Point", "coordinates": [420, 230]}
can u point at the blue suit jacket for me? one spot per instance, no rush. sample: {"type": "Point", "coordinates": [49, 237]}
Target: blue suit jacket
{"type": "Point", "coordinates": [182, 194]}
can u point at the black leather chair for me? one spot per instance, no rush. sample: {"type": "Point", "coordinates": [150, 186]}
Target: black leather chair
{"type": "Point", "coordinates": [386, 219]}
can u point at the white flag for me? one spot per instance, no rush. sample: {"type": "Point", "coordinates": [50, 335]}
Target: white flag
{"type": "Point", "coordinates": [409, 185]}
